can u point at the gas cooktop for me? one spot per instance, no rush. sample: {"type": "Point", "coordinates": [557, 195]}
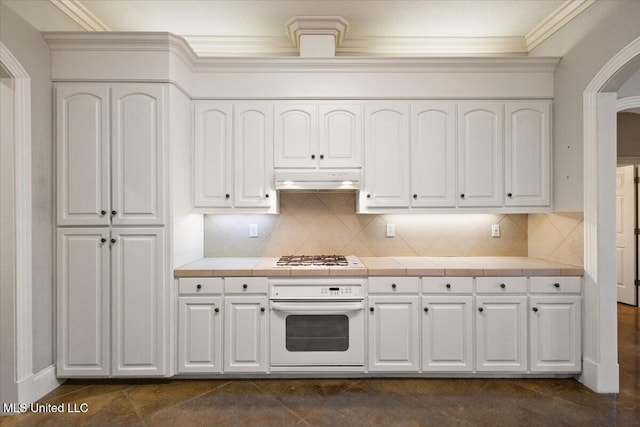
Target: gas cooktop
{"type": "Point", "coordinates": [318, 261]}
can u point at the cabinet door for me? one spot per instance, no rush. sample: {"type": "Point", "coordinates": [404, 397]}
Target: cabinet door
{"type": "Point", "coordinates": [394, 333]}
{"type": "Point", "coordinates": [480, 145]}
{"type": "Point", "coordinates": [82, 150]}
{"type": "Point", "coordinates": [554, 323]}
{"type": "Point", "coordinates": [386, 154]}
{"type": "Point", "coordinates": [447, 334]}
{"type": "Point", "coordinates": [212, 154]}
{"type": "Point", "coordinates": [253, 144]}
{"type": "Point", "coordinates": [138, 134]}
{"type": "Point", "coordinates": [245, 334]}
{"type": "Point", "coordinates": [199, 334]}
{"type": "Point", "coordinates": [138, 299]}
{"type": "Point", "coordinates": [340, 144]}
{"type": "Point", "coordinates": [501, 334]}
{"type": "Point", "coordinates": [433, 154]}
{"type": "Point", "coordinates": [527, 146]}
{"type": "Point", "coordinates": [296, 135]}
{"type": "Point", "coordinates": [83, 346]}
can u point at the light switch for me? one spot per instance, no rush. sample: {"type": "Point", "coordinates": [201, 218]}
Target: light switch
{"type": "Point", "coordinates": [495, 230]}
{"type": "Point", "coordinates": [391, 230]}
{"type": "Point", "coordinates": [253, 230]}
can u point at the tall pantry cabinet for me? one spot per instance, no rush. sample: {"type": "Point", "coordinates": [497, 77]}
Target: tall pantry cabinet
{"type": "Point", "coordinates": [111, 156]}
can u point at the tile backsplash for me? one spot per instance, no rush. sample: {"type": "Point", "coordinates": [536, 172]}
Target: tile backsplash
{"type": "Point", "coordinates": [315, 223]}
{"type": "Point", "coordinates": [557, 237]}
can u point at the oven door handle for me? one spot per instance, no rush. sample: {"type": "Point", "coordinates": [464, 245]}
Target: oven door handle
{"type": "Point", "coordinates": [320, 308]}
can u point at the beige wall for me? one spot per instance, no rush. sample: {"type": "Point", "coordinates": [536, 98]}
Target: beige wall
{"type": "Point", "coordinates": [628, 135]}
{"type": "Point", "coordinates": [557, 237]}
{"type": "Point", "coordinates": [314, 223]}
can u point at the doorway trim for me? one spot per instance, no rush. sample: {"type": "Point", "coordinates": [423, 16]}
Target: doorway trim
{"type": "Point", "coordinates": [627, 103]}
{"type": "Point", "coordinates": [600, 355]}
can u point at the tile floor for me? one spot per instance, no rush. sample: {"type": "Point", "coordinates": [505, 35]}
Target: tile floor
{"type": "Point", "coordinates": [353, 402]}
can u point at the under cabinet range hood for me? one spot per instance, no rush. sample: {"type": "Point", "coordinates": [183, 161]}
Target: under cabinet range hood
{"type": "Point", "coordinates": [310, 180]}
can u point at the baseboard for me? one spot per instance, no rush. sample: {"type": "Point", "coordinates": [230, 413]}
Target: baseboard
{"type": "Point", "coordinates": [37, 385]}
{"type": "Point", "coordinates": [599, 378]}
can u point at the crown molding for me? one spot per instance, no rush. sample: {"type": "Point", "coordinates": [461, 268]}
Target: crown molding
{"type": "Point", "coordinates": [558, 19]}
{"type": "Point", "coordinates": [80, 15]}
{"type": "Point", "coordinates": [317, 25]}
{"type": "Point", "coordinates": [208, 46]}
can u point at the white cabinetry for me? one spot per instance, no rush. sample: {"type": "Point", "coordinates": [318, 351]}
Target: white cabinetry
{"type": "Point", "coordinates": [527, 153]}
{"type": "Point", "coordinates": [200, 334]}
{"type": "Point", "coordinates": [386, 154]}
{"type": "Point", "coordinates": [318, 135]}
{"type": "Point", "coordinates": [110, 154]}
{"type": "Point", "coordinates": [480, 146]}
{"type": "Point", "coordinates": [233, 154]}
{"type": "Point", "coordinates": [433, 154]}
{"type": "Point", "coordinates": [132, 278]}
{"type": "Point", "coordinates": [245, 335]}
{"type": "Point", "coordinates": [554, 324]}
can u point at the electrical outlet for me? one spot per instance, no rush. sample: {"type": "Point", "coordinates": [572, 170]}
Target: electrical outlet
{"type": "Point", "coordinates": [495, 230]}
{"type": "Point", "coordinates": [253, 230]}
{"type": "Point", "coordinates": [391, 230]}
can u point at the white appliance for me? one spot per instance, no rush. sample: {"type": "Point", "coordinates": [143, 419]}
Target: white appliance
{"type": "Point", "coordinates": [317, 322]}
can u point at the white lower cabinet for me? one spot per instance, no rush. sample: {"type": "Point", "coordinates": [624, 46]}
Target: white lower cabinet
{"type": "Point", "coordinates": [394, 333]}
{"type": "Point", "coordinates": [200, 334]}
{"type": "Point", "coordinates": [245, 333]}
{"type": "Point", "coordinates": [555, 334]}
{"type": "Point", "coordinates": [447, 333]}
{"type": "Point", "coordinates": [501, 333]}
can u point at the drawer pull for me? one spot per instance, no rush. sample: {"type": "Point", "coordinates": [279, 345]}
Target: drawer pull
{"type": "Point", "coordinates": [502, 285]}
{"type": "Point", "coordinates": [245, 286]}
{"type": "Point", "coordinates": [198, 286]}
{"type": "Point", "coordinates": [393, 285]}
{"type": "Point", "coordinates": [448, 285]}
{"type": "Point", "coordinates": [556, 285]}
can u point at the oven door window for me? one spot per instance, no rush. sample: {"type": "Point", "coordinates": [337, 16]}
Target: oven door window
{"type": "Point", "coordinates": [317, 332]}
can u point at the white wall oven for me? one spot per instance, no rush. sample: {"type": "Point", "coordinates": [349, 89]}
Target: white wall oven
{"type": "Point", "coordinates": [317, 322]}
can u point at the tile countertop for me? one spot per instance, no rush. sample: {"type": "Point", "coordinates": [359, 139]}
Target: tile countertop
{"type": "Point", "coordinates": [383, 266]}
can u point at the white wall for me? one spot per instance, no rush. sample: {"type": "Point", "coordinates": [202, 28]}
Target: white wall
{"type": "Point", "coordinates": [585, 44]}
{"type": "Point", "coordinates": [28, 46]}
{"type": "Point", "coordinates": [631, 87]}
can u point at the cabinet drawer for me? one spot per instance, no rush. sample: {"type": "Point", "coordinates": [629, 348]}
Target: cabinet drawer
{"type": "Point", "coordinates": [447, 285]}
{"type": "Point", "coordinates": [394, 285]}
{"type": "Point", "coordinates": [245, 285]}
{"type": "Point", "coordinates": [200, 286]}
{"type": "Point", "coordinates": [555, 285]}
{"type": "Point", "coordinates": [501, 285]}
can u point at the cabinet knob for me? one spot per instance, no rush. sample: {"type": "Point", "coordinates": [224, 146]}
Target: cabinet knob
{"type": "Point", "coordinates": [266, 195]}
{"type": "Point", "coordinates": [313, 156]}
{"type": "Point", "coordinates": [415, 196]}
{"type": "Point", "coordinates": [368, 196]}
{"type": "Point", "coordinates": [502, 285]}
{"type": "Point", "coordinates": [426, 309]}
{"type": "Point", "coordinates": [262, 309]}
{"type": "Point", "coordinates": [113, 240]}
{"type": "Point", "coordinates": [393, 286]}
{"type": "Point", "coordinates": [509, 195]}
{"type": "Point", "coordinates": [198, 286]}
{"type": "Point", "coordinates": [448, 285]}
{"type": "Point", "coordinates": [103, 212]}
{"type": "Point", "coordinates": [245, 286]}
{"type": "Point", "coordinates": [462, 196]}
{"type": "Point", "coordinates": [217, 310]}
{"type": "Point", "coordinates": [535, 309]}
{"type": "Point", "coordinates": [481, 309]}
{"type": "Point", "coordinates": [226, 196]}
{"type": "Point", "coordinates": [103, 240]}
{"type": "Point", "coordinates": [556, 285]}
{"type": "Point", "coordinates": [371, 309]}
{"type": "Point", "coordinates": [321, 156]}
{"type": "Point", "coordinates": [114, 212]}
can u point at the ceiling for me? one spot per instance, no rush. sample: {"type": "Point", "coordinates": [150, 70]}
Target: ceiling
{"type": "Point", "coordinates": [259, 27]}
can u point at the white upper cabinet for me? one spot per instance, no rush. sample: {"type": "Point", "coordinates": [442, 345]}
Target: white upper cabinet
{"type": "Point", "coordinates": [296, 136]}
{"type": "Point", "coordinates": [253, 167]}
{"type": "Point", "coordinates": [480, 146]}
{"type": "Point", "coordinates": [138, 133]}
{"type": "Point", "coordinates": [213, 154]}
{"type": "Point", "coordinates": [433, 154]}
{"type": "Point", "coordinates": [83, 159]}
{"type": "Point", "coordinates": [340, 140]}
{"type": "Point", "coordinates": [386, 154]}
{"type": "Point", "coordinates": [527, 148]}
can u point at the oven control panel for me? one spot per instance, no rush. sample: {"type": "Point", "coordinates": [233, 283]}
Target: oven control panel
{"type": "Point", "coordinates": [312, 289]}
{"type": "Point", "coordinates": [337, 290]}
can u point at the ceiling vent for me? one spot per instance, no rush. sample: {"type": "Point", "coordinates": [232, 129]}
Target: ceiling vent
{"type": "Point", "coordinates": [317, 36]}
